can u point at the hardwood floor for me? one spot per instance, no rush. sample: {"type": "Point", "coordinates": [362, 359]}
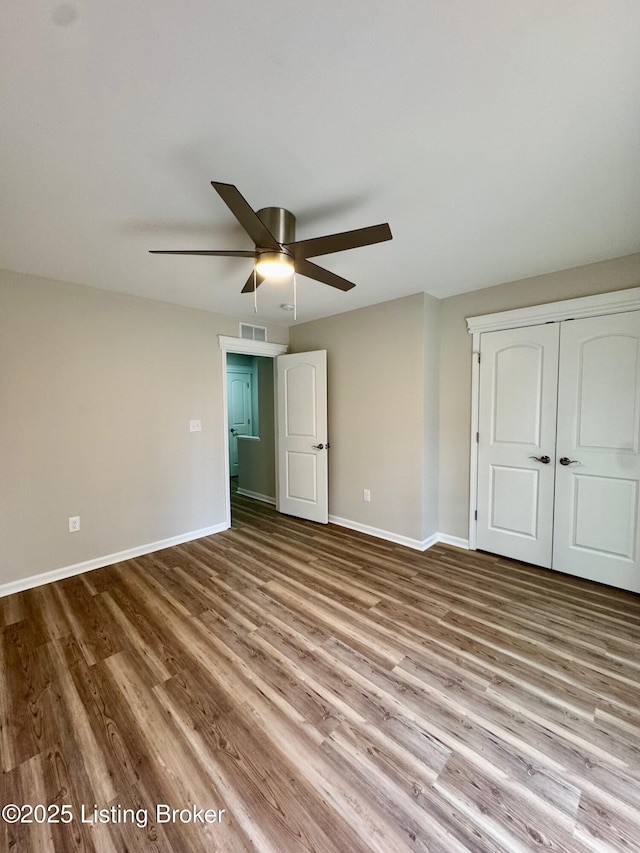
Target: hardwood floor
{"type": "Point", "coordinates": [330, 692]}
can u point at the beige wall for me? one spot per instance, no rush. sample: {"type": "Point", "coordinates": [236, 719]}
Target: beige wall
{"type": "Point", "coordinates": [431, 430]}
{"type": "Point", "coordinates": [96, 393]}
{"type": "Point", "coordinates": [455, 360]}
{"type": "Point", "coordinates": [376, 379]}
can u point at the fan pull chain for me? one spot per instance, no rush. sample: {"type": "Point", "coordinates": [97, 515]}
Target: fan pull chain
{"type": "Point", "coordinates": [255, 292]}
{"type": "Point", "coordinates": [295, 301]}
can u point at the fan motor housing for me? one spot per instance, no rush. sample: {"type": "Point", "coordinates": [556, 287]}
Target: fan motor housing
{"type": "Point", "coordinates": [281, 223]}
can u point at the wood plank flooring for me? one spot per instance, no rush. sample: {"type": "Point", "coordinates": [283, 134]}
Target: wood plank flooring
{"type": "Point", "coordinates": [330, 692]}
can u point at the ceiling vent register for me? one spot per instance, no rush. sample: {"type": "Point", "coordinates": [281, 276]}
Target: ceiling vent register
{"type": "Point", "coordinates": [253, 333]}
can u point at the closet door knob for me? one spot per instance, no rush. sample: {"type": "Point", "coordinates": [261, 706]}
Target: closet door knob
{"type": "Point", "coordinates": [544, 459]}
{"type": "Point", "coordinates": [566, 461]}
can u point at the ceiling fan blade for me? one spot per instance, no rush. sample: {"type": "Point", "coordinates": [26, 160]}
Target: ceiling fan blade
{"type": "Point", "coordinates": [222, 253]}
{"type": "Point", "coordinates": [248, 288]}
{"type": "Point", "coordinates": [246, 216]}
{"type": "Point", "coordinates": [340, 242]}
{"type": "Point", "coordinates": [305, 267]}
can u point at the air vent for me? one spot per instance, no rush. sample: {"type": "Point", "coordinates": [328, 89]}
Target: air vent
{"type": "Point", "coordinates": [253, 333]}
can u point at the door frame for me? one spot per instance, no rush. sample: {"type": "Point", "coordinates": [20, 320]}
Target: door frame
{"type": "Point", "coordinates": [615, 302]}
{"type": "Point", "coordinates": [243, 346]}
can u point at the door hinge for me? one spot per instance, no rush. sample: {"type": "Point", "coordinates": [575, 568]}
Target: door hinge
{"type": "Point", "coordinates": [477, 438]}
{"type": "Point", "coordinates": [475, 515]}
{"type": "Point", "coordinates": [478, 358]}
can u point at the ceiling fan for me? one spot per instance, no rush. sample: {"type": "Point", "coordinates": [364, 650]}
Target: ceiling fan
{"type": "Point", "coordinates": [277, 253]}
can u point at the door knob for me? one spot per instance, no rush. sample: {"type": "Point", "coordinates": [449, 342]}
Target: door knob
{"type": "Point", "coordinates": [319, 446]}
{"type": "Point", "coordinates": [544, 459]}
{"type": "Point", "coordinates": [566, 461]}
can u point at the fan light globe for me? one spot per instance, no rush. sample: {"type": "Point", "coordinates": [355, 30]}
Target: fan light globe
{"type": "Point", "coordinates": [275, 265]}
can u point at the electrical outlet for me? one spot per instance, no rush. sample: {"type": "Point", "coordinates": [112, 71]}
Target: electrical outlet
{"type": "Point", "coordinates": [366, 495]}
{"type": "Point", "coordinates": [74, 523]}
{"type": "Point", "coordinates": [195, 426]}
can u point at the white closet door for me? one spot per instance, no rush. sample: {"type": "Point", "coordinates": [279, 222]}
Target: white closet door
{"type": "Point", "coordinates": [517, 421]}
{"type": "Point", "coordinates": [596, 531]}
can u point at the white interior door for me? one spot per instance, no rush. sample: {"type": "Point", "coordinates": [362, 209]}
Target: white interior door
{"type": "Point", "coordinates": [239, 405]}
{"type": "Point", "coordinates": [516, 442]}
{"type": "Point", "coordinates": [597, 530]}
{"type": "Point", "coordinates": [302, 435]}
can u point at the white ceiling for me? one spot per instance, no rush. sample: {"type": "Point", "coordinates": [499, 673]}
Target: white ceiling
{"type": "Point", "coordinates": [499, 138]}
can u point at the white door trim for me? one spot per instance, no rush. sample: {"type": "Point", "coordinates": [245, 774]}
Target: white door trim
{"type": "Point", "coordinates": [616, 302]}
{"type": "Point", "coordinates": [475, 418]}
{"type": "Point", "coordinates": [244, 346]}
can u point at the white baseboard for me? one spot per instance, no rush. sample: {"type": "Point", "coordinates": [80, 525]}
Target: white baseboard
{"type": "Point", "coordinates": [257, 496]}
{"type": "Point", "coordinates": [429, 543]}
{"type": "Point", "coordinates": [141, 550]}
{"type": "Point", "coordinates": [107, 560]}
{"type": "Point", "coordinates": [416, 544]}
{"type": "Point", "coordinates": [387, 535]}
{"type": "Point", "coordinates": [456, 541]}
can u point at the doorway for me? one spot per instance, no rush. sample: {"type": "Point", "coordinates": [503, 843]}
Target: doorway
{"type": "Point", "coordinates": [251, 425]}
{"type": "Point", "coordinates": [247, 347]}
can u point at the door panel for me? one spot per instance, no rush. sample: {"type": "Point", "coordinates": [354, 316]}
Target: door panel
{"type": "Point", "coordinates": [517, 412]}
{"type": "Point", "coordinates": [302, 427]}
{"type": "Point", "coordinates": [518, 372]}
{"type": "Point", "coordinates": [605, 512]}
{"type": "Point", "coordinates": [596, 530]}
{"type": "Point", "coordinates": [239, 403]}
{"type": "Point", "coordinates": [607, 382]}
{"type": "Point", "coordinates": [300, 387]}
{"type": "Point", "coordinates": [509, 515]}
{"type": "Point", "coordinates": [301, 476]}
